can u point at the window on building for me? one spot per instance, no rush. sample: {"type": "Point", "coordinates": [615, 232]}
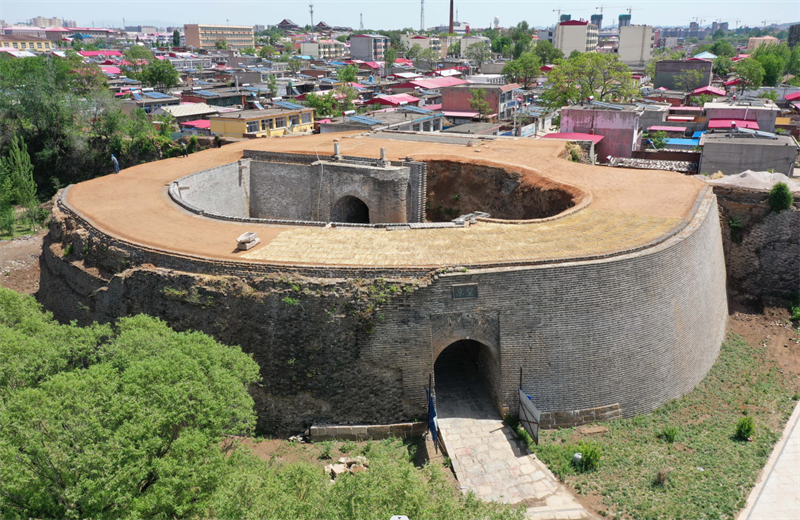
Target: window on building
{"type": "Point", "coordinates": [38, 45]}
{"type": "Point", "coordinates": [280, 122]}
{"type": "Point", "coordinates": [295, 120]}
{"type": "Point", "coordinates": [306, 117]}
{"type": "Point", "coordinates": [266, 124]}
{"type": "Point", "coordinates": [22, 45]}
{"type": "Point", "coordinates": [252, 127]}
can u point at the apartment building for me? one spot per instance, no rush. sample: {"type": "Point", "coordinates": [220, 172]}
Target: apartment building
{"type": "Point", "coordinates": [368, 47]}
{"type": "Point", "coordinates": [271, 122]}
{"type": "Point", "coordinates": [425, 42]}
{"type": "Point", "coordinates": [41, 21]}
{"type": "Point", "coordinates": [636, 43]}
{"type": "Point", "coordinates": [323, 49]}
{"type": "Point", "coordinates": [576, 35]}
{"type": "Point", "coordinates": [25, 43]}
{"type": "Point", "coordinates": [466, 41]}
{"type": "Point", "coordinates": [755, 43]}
{"type": "Point", "coordinates": [202, 36]}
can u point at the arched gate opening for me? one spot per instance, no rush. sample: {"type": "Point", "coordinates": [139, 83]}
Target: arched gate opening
{"type": "Point", "coordinates": [467, 381]}
{"type": "Point", "coordinates": [351, 210]}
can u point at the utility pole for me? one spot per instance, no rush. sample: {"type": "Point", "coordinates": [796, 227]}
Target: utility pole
{"type": "Point", "coordinates": [422, 16]}
{"type": "Point", "coordinates": [361, 27]}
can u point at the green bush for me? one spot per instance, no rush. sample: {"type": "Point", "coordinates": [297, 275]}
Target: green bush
{"type": "Point", "coordinates": [325, 451]}
{"type": "Point", "coordinates": [590, 456]}
{"type": "Point", "coordinates": [193, 144]}
{"type": "Point", "coordinates": [669, 434]}
{"type": "Point", "coordinates": [780, 197]}
{"type": "Point", "coordinates": [745, 428]}
{"type": "Point", "coordinates": [8, 218]}
{"type": "Point", "coordinates": [347, 447]}
{"type": "Point", "coordinates": [735, 224]}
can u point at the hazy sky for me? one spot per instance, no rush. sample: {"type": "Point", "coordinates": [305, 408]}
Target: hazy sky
{"type": "Point", "coordinates": [393, 14]}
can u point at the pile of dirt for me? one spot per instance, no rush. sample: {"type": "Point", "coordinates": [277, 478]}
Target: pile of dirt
{"type": "Point", "coordinates": [756, 180]}
{"type": "Point", "coordinates": [19, 263]}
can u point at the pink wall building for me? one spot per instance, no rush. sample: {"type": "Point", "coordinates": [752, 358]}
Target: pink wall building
{"type": "Point", "coordinates": [619, 126]}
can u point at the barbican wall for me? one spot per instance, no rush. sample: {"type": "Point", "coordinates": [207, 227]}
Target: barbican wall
{"type": "Point", "coordinates": [618, 335]}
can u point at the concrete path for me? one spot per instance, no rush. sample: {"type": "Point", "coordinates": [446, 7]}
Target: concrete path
{"type": "Point", "coordinates": [776, 495]}
{"type": "Point", "coordinates": [486, 457]}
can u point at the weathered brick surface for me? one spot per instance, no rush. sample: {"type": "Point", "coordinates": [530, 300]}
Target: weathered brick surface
{"type": "Point", "coordinates": [636, 329]}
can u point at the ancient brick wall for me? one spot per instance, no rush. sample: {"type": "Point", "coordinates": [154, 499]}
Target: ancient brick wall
{"type": "Point", "coordinates": [762, 252]}
{"type": "Point", "coordinates": [637, 329]}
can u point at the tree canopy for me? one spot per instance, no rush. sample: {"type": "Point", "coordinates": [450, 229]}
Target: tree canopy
{"type": "Point", "coordinates": [589, 74]}
{"type": "Point", "coordinates": [523, 70]}
{"type": "Point", "coordinates": [750, 72]}
{"type": "Point", "coordinates": [547, 53]}
{"type": "Point", "coordinates": [128, 421]}
{"type": "Point", "coordinates": [478, 53]}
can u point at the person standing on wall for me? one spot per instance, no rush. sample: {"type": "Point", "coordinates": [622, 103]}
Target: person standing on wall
{"type": "Point", "coordinates": [183, 147]}
{"type": "Point", "coordinates": [116, 163]}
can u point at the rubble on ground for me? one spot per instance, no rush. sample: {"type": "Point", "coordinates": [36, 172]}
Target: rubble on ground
{"type": "Point", "coordinates": [350, 465]}
{"type": "Point", "coordinates": [654, 164]}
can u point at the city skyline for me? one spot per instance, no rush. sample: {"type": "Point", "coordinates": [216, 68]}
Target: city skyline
{"type": "Point", "coordinates": [541, 13]}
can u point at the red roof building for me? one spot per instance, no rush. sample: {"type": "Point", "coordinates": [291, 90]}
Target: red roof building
{"type": "Point", "coordinates": [395, 100]}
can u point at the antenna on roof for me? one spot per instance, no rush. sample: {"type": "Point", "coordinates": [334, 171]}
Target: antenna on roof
{"type": "Point", "coordinates": [361, 26]}
{"type": "Point", "coordinates": [422, 15]}
{"type": "Point", "coordinates": [311, 10]}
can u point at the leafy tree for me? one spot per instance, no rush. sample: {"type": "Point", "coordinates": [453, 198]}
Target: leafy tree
{"type": "Point", "coordinates": [272, 83]}
{"type": "Point", "coordinates": [773, 68]}
{"type": "Point", "coordinates": [574, 54]}
{"type": "Point", "coordinates": [688, 80]}
{"type": "Point", "coordinates": [96, 422]}
{"type": "Point", "coordinates": [295, 64]}
{"type": "Point", "coordinates": [502, 45]}
{"type": "Point", "coordinates": [750, 72]}
{"type": "Point", "coordinates": [702, 99]}
{"type": "Point", "coordinates": [344, 38]}
{"type": "Point", "coordinates": [547, 53]}
{"type": "Point", "coordinates": [478, 53]}
{"type": "Point", "coordinates": [390, 57]}
{"type": "Point", "coordinates": [523, 70]}
{"type": "Point", "coordinates": [250, 51]}
{"type": "Point", "coordinates": [414, 51]}
{"type": "Point", "coordinates": [454, 49]}
{"type": "Point", "coordinates": [718, 34]}
{"type": "Point", "coordinates": [589, 74]}
{"type": "Point", "coordinates": [267, 51]}
{"type": "Point", "coordinates": [429, 56]}
{"type": "Point", "coordinates": [17, 170]}
{"type": "Point", "coordinates": [478, 102]}
{"type": "Point", "coordinates": [134, 59]}
{"type": "Point", "coordinates": [324, 105]}
{"type": "Point", "coordinates": [221, 44]}
{"type": "Point", "coordinates": [769, 94]}
{"type": "Point", "coordinates": [348, 74]}
{"type": "Point", "coordinates": [160, 75]}
{"type": "Point", "coordinates": [723, 48]}
{"type": "Point", "coordinates": [176, 38]}
{"type": "Point", "coordinates": [722, 66]}
{"type": "Point", "coordinates": [658, 139]}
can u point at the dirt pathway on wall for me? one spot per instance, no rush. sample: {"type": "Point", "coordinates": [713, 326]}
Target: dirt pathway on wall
{"type": "Point", "coordinates": [19, 263]}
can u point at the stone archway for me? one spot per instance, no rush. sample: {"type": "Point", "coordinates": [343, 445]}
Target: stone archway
{"type": "Point", "coordinates": [467, 380]}
{"type": "Point", "coordinates": [350, 209]}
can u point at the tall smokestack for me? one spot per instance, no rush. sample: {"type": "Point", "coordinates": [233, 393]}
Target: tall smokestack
{"type": "Point", "coordinates": [451, 16]}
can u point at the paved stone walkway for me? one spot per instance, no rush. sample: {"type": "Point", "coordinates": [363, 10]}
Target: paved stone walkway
{"type": "Point", "coordinates": [486, 457]}
{"type": "Point", "coordinates": [776, 495]}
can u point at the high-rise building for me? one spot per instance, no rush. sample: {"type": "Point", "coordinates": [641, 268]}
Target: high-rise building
{"type": "Point", "coordinates": [576, 35]}
{"type": "Point", "coordinates": [41, 21]}
{"type": "Point", "coordinates": [635, 44]}
{"type": "Point", "coordinates": [259, 28]}
{"type": "Point", "coordinates": [597, 19]}
{"type": "Point", "coordinates": [624, 20]}
{"type": "Point", "coordinates": [206, 36]}
{"type": "Point", "coordinates": [794, 35]}
{"type": "Point", "coordinates": [70, 23]}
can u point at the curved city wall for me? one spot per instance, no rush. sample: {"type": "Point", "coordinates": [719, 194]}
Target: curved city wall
{"type": "Point", "coordinates": [596, 338]}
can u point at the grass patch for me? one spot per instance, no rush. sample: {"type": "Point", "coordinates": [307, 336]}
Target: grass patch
{"type": "Point", "coordinates": [642, 476]}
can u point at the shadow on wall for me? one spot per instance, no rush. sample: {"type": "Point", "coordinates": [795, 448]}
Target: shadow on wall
{"type": "Point", "coordinates": [351, 210]}
{"type": "Point", "coordinates": [456, 188]}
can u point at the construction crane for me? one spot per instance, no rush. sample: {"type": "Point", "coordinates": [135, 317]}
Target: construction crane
{"type": "Point", "coordinates": [737, 24]}
{"type": "Point", "coordinates": [765, 22]}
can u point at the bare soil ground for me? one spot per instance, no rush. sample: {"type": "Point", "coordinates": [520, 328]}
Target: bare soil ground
{"type": "Point", "coordinates": [19, 263]}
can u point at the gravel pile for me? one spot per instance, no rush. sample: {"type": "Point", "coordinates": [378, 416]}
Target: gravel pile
{"type": "Point", "coordinates": [757, 180]}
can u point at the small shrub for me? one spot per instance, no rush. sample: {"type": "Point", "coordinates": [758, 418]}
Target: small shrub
{"type": "Point", "coordinates": [325, 452]}
{"type": "Point", "coordinates": [662, 477]}
{"type": "Point", "coordinates": [794, 310]}
{"type": "Point", "coordinates": [780, 197]}
{"type": "Point", "coordinates": [68, 250]}
{"type": "Point", "coordinates": [291, 301]}
{"type": "Point", "coordinates": [745, 428]}
{"type": "Point", "coordinates": [669, 434]}
{"type": "Point", "coordinates": [347, 447]}
{"type": "Point", "coordinates": [193, 143]}
{"type": "Point", "coordinates": [574, 155]}
{"type": "Point", "coordinates": [7, 219]}
{"type": "Point", "coordinates": [736, 229]}
{"type": "Point", "coordinates": [456, 196]}
{"type": "Point", "coordinates": [590, 456]}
